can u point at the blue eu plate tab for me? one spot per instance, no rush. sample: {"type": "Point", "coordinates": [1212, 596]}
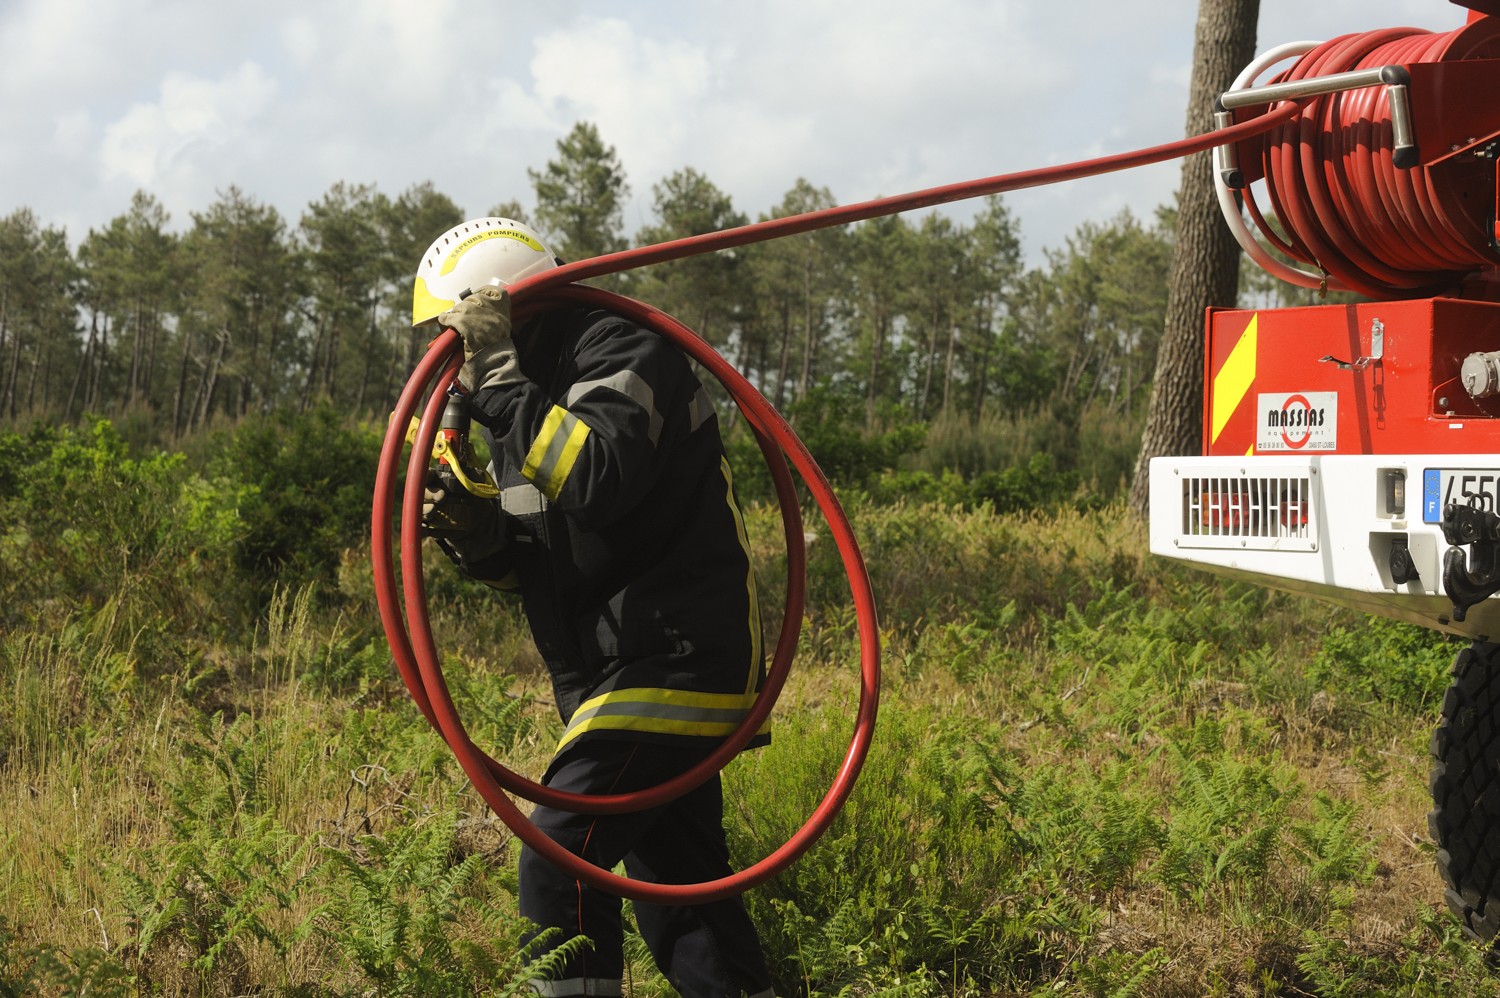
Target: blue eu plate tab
{"type": "Point", "coordinates": [1432, 493]}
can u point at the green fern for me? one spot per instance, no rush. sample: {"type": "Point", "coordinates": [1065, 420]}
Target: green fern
{"type": "Point", "coordinates": [399, 911]}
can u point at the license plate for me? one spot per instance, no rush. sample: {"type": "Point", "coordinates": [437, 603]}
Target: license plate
{"type": "Point", "coordinates": [1472, 487]}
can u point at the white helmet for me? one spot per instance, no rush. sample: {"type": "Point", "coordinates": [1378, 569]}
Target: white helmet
{"type": "Point", "coordinates": [496, 251]}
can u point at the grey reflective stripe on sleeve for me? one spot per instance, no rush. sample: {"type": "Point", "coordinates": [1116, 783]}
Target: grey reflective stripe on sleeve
{"type": "Point", "coordinates": [522, 500]}
{"type": "Point", "coordinates": [605, 987]}
{"type": "Point", "coordinates": [700, 409]}
{"type": "Point", "coordinates": [628, 384]}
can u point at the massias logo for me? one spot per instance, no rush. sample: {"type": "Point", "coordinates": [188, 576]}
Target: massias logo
{"type": "Point", "coordinates": [1298, 421]}
{"type": "Point", "coordinates": [1297, 415]}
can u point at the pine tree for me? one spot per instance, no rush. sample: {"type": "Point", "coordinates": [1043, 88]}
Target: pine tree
{"type": "Point", "coordinates": [580, 196]}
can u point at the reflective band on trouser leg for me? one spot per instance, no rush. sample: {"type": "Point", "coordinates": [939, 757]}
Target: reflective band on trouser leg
{"type": "Point", "coordinates": [667, 712]}
{"type": "Point", "coordinates": [603, 986]}
{"type": "Point", "coordinates": [554, 451]}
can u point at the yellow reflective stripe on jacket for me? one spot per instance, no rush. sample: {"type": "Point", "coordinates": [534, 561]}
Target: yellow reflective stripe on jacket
{"type": "Point", "coordinates": [660, 711]}
{"type": "Point", "coordinates": [554, 451]}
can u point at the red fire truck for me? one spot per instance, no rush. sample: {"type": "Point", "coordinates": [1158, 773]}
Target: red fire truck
{"type": "Point", "coordinates": [1352, 451]}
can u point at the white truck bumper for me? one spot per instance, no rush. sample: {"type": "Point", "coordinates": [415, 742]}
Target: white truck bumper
{"type": "Point", "coordinates": [1362, 531]}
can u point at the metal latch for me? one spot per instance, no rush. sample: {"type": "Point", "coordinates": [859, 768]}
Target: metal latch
{"type": "Point", "coordinates": [1377, 351]}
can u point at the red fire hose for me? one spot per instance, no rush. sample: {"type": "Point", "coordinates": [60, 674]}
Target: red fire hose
{"type": "Point", "coordinates": [1367, 224]}
{"type": "Point", "coordinates": [416, 653]}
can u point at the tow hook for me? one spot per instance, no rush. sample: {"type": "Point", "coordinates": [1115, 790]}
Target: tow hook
{"type": "Point", "coordinates": [1475, 577]}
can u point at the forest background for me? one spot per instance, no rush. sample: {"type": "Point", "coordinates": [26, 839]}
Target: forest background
{"type": "Point", "coordinates": [1097, 773]}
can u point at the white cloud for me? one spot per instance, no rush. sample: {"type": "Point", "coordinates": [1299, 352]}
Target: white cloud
{"type": "Point", "coordinates": [172, 138]}
{"type": "Point", "coordinates": [299, 39]}
{"type": "Point", "coordinates": [73, 134]}
{"type": "Point", "coordinates": [641, 92]}
{"type": "Point", "coordinates": [866, 97]}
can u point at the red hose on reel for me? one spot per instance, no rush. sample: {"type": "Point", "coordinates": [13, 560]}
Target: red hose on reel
{"type": "Point", "coordinates": [1348, 210]}
{"type": "Point", "coordinates": [416, 653]}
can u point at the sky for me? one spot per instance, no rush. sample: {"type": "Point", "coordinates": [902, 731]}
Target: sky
{"type": "Point", "coordinates": [867, 98]}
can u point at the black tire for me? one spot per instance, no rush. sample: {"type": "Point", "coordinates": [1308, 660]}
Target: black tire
{"type": "Point", "coordinates": [1465, 784]}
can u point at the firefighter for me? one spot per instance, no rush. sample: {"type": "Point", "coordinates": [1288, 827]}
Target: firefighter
{"type": "Point", "coordinates": [618, 526]}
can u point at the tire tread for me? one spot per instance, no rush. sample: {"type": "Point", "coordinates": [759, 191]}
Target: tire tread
{"type": "Point", "coordinates": [1465, 787]}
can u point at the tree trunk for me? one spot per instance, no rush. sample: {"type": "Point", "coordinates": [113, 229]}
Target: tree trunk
{"type": "Point", "coordinates": [331, 359]}
{"type": "Point", "coordinates": [783, 365]}
{"type": "Point", "coordinates": [211, 381]}
{"type": "Point", "coordinates": [370, 347]}
{"type": "Point", "coordinates": [137, 354]}
{"type": "Point", "coordinates": [1080, 359]}
{"type": "Point", "coordinates": [182, 375]}
{"type": "Point", "coordinates": [1205, 256]}
{"type": "Point", "coordinates": [313, 368]}
{"type": "Point", "coordinates": [47, 378]}
{"type": "Point", "coordinates": [876, 348]}
{"type": "Point", "coordinates": [810, 335]}
{"type": "Point", "coordinates": [252, 351]}
{"type": "Point", "coordinates": [742, 364]}
{"type": "Point", "coordinates": [763, 345]}
{"type": "Point", "coordinates": [149, 382]}
{"type": "Point", "coordinates": [83, 366]}
{"type": "Point", "coordinates": [10, 378]}
{"type": "Point", "coordinates": [948, 367]}
{"type": "Point", "coordinates": [4, 326]}
{"type": "Point", "coordinates": [985, 330]}
{"type": "Point", "coordinates": [101, 357]}
{"type": "Point", "coordinates": [932, 338]}
{"type": "Point", "coordinates": [269, 388]}
{"type": "Point", "coordinates": [31, 378]}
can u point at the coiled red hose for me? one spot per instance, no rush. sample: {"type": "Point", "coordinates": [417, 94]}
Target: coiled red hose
{"type": "Point", "coordinates": [416, 659]}
{"type": "Point", "coordinates": [416, 653]}
{"type": "Point", "coordinates": [1374, 229]}
{"type": "Point", "coordinates": [430, 691]}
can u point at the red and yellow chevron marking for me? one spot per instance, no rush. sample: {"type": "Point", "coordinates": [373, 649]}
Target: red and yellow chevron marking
{"type": "Point", "coordinates": [1232, 384]}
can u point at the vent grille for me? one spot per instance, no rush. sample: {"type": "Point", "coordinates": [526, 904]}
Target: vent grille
{"type": "Point", "coordinates": [1248, 511]}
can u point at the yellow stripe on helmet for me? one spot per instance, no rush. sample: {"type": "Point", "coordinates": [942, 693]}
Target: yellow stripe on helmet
{"type": "Point", "coordinates": [425, 305]}
{"type": "Point", "coordinates": [479, 237]}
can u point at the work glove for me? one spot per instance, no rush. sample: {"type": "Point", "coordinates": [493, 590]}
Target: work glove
{"type": "Point", "coordinates": [466, 526]}
{"type": "Point", "coordinates": [483, 320]}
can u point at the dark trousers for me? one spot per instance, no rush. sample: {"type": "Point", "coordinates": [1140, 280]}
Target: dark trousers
{"type": "Point", "coordinates": [704, 950]}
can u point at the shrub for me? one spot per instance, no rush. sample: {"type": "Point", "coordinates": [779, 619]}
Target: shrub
{"type": "Point", "coordinates": [849, 456]}
{"type": "Point", "coordinates": [1385, 660]}
{"type": "Point", "coordinates": [309, 480]}
{"type": "Point", "coordinates": [927, 874]}
{"type": "Point", "coordinates": [85, 522]}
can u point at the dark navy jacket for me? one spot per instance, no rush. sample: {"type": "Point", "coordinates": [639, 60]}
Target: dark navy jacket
{"type": "Point", "coordinates": [627, 545]}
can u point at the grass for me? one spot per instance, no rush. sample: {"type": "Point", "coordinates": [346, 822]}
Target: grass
{"type": "Point", "coordinates": [1096, 773]}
